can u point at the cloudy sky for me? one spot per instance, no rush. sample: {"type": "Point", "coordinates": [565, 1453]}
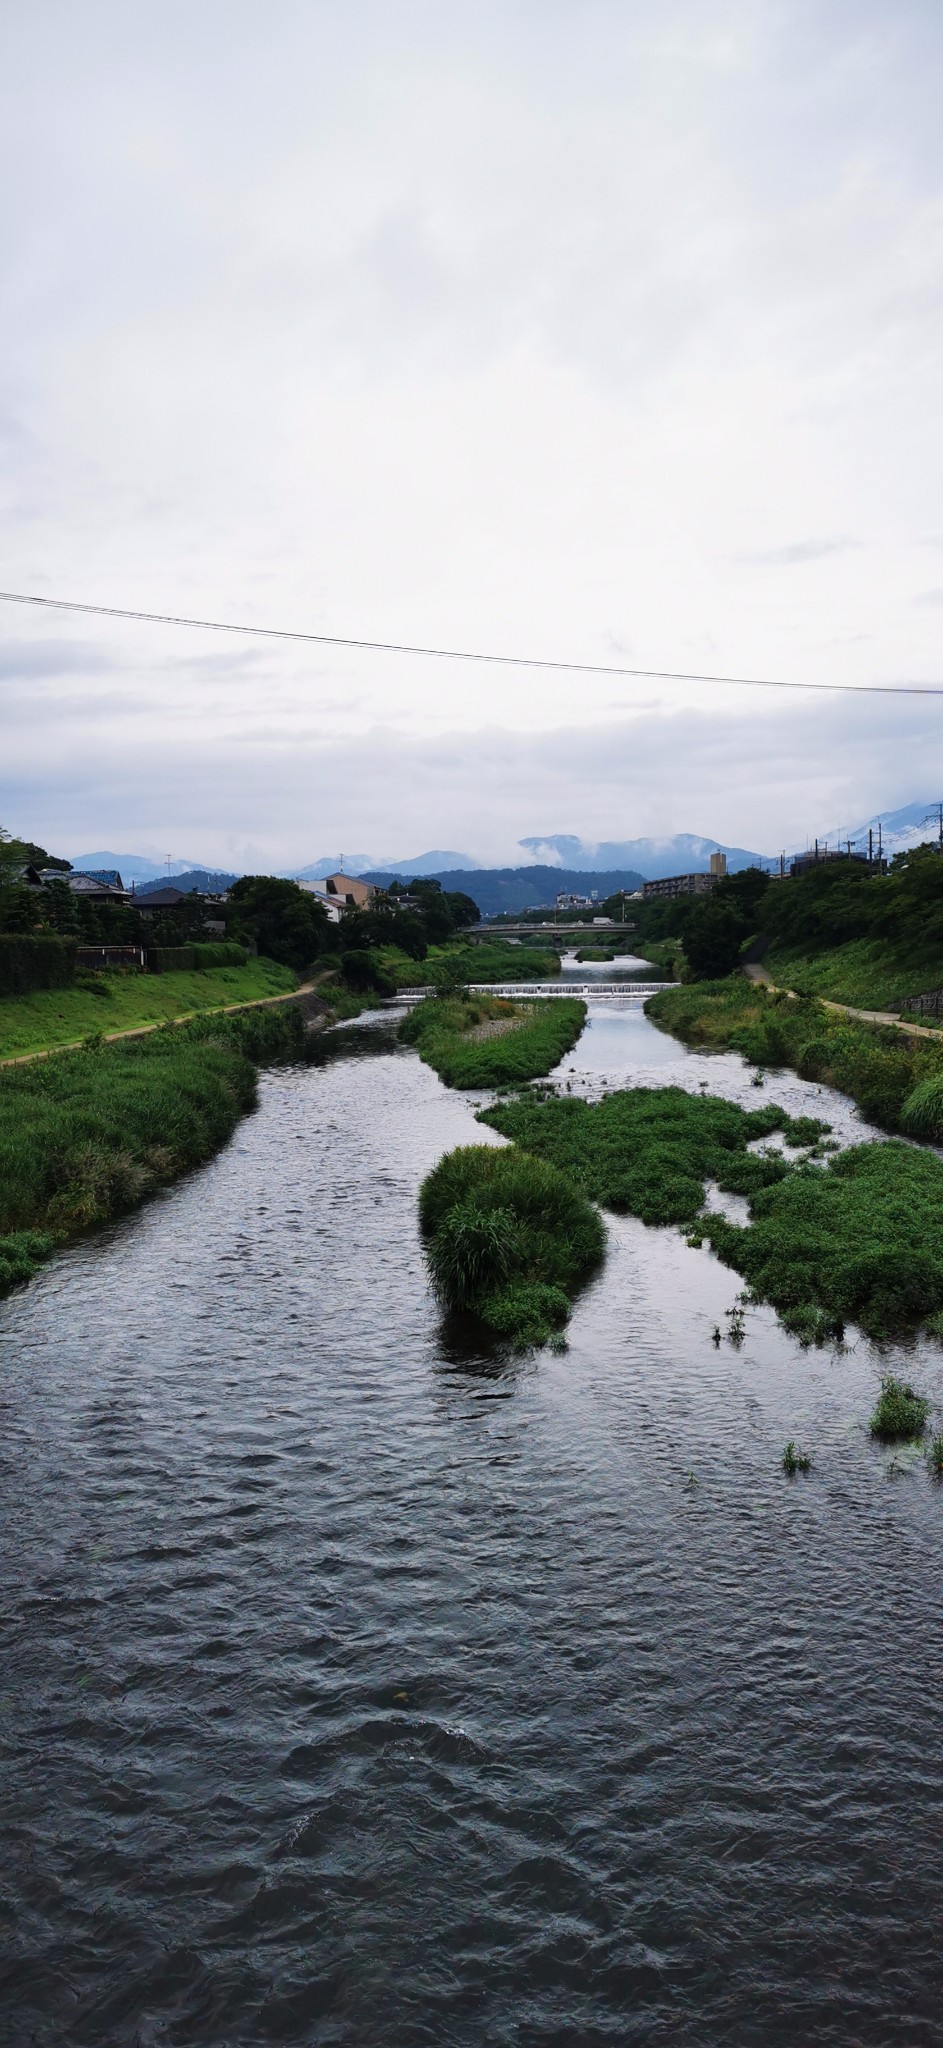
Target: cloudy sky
{"type": "Point", "coordinates": [608, 331]}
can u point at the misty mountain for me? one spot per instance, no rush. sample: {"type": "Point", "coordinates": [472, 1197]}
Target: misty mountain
{"type": "Point", "coordinates": [684, 853]}
{"type": "Point", "coordinates": [365, 863]}
{"type": "Point", "coordinates": [899, 830]}
{"type": "Point", "coordinates": [530, 888]}
{"type": "Point", "coordinates": [133, 867]}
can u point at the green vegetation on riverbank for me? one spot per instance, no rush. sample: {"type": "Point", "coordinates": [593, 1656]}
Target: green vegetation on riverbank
{"type": "Point", "coordinates": [121, 1002]}
{"type": "Point", "coordinates": [85, 1136]}
{"type": "Point", "coordinates": [857, 1239]}
{"type": "Point", "coordinates": [862, 972]}
{"type": "Point", "coordinates": [896, 1080]}
{"type": "Point", "coordinates": [489, 1041]}
{"type": "Point", "coordinates": [508, 1239]}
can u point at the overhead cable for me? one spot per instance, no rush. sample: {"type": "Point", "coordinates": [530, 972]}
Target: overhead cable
{"type": "Point", "coordinates": [585, 668]}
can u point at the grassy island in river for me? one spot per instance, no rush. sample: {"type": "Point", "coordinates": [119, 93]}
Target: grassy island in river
{"type": "Point", "coordinates": [856, 1238]}
{"type": "Point", "coordinates": [479, 1041]}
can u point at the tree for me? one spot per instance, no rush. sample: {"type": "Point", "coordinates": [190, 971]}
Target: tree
{"type": "Point", "coordinates": [713, 939]}
{"type": "Point", "coordinates": [287, 923]}
{"type": "Point", "coordinates": [15, 910]}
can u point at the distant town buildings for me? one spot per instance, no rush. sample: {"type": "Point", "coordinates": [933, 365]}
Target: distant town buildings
{"type": "Point", "coordinates": [568, 901]}
{"type": "Point", "coordinates": [687, 885]}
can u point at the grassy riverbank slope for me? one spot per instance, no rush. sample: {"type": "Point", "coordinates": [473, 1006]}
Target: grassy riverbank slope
{"type": "Point", "coordinates": [85, 1136]}
{"type": "Point", "coordinates": [489, 1041]}
{"type": "Point", "coordinates": [121, 1002]}
{"type": "Point", "coordinates": [863, 972]}
{"type": "Point", "coordinates": [896, 1081]}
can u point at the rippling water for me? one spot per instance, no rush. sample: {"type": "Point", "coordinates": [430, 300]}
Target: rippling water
{"type": "Point", "coordinates": [363, 1688]}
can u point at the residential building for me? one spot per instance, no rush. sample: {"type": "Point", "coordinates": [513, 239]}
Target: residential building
{"type": "Point", "coordinates": [687, 885]}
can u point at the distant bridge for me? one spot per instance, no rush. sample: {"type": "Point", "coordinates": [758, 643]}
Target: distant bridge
{"type": "Point", "coordinates": [590, 934]}
{"type": "Point", "coordinates": [612, 991]}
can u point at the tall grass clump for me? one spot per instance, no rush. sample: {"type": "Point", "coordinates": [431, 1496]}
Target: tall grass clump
{"type": "Point", "coordinates": [486, 1041]}
{"type": "Point", "coordinates": [87, 1135]}
{"type": "Point", "coordinates": [922, 1112]}
{"type": "Point", "coordinates": [900, 1415]}
{"type": "Point", "coordinates": [508, 1239]}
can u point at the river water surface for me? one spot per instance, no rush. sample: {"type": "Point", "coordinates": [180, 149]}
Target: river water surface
{"type": "Point", "coordinates": [363, 1687]}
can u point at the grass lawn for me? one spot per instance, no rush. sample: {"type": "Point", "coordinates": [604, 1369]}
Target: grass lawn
{"type": "Point", "coordinates": [862, 972]}
{"type": "Point", "coordinates": [118, 1002]}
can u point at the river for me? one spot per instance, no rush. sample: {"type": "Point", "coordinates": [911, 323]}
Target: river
{"type": "Point", "coordinates": [361, 1686]}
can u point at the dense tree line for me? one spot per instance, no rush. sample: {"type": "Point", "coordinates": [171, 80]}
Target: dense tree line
{"type": "Point", "coordinates": [285, 922]}
{"type": "Point", "coordinates": [832, 903]}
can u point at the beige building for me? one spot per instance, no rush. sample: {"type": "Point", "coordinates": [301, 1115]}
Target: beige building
{"type": "Point", "coordinates": [687, 885]}
{"type": "Point", "coordinates": [341, 892]}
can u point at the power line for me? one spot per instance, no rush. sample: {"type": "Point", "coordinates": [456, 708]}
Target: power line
{"type": "Point", "coordinates": [585, 668]}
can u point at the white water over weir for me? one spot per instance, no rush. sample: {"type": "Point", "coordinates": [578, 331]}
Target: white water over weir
{"type": "Point", "coordinates": [621, 991]}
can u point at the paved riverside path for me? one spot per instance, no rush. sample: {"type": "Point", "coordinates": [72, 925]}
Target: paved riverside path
{"type": "Point", "coordinates": [48, 1052]}
{"type": "Point", "coordinates": [755, 972]}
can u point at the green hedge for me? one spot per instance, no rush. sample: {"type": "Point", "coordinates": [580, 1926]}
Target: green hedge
{"type": "Point", "coordinates": [219, 953]}
{"type": "Point", "coordinates": [27, 963]}
{"type": "Point", "coordinates": [171, 959]}
{"type": "Point", "coordinates": [183, 959]}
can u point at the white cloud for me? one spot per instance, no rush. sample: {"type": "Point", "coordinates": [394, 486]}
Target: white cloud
{"type": "Point", "coordinates": [509, 326]}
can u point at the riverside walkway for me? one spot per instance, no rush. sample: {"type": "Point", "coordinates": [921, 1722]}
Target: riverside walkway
{"type": "Point", "coordinates": [755, 972]}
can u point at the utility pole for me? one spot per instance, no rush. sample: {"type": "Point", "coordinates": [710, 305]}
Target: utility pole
{"type": "Point", "coordinates": [870, 849]}
{"type": "Point", "coordinates": [936, 812]}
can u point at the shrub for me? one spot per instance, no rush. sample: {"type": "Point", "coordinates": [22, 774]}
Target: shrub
{"type": "Point", "coordinates": [363, 973]}
{"type": "Point", "coordinates": [899, 1414]}
{"type": "Point", "coordinates": [30, 962]}
{"type": "Point", "coordinates": [935, 1454]}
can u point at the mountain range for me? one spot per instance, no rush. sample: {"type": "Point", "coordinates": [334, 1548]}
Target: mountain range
{"type": "Point", "coordinates": [559, 861]}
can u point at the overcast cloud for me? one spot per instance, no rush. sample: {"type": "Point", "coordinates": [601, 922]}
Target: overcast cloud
{"type": "Point", "coordinates": [608, 332]}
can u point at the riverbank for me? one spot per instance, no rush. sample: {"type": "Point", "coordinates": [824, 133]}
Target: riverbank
{"type": "Point", "coordinates": [863, 972]}
{"type": "Point", "coordinates": [49, 1019]}
{"type": "Point", "coordinates": [446, 1032]}
{"type": "Point", "coordinates": [894, 1076]}
{"type": "Point", "coordinates": [86, 1136]}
